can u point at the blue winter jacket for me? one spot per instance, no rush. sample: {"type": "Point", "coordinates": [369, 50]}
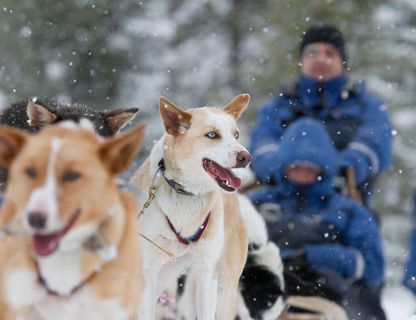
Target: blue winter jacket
{"type": "Point", "coordinates": [354, 251]}
{"type": "Point", "coordinates": [356, 121]}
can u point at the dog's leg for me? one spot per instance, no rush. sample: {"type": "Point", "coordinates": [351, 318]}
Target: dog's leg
{"type": "Point", "coordinates": [206, 294]}
{"type": "Point", "coordinates": [147, 308]}
{"type": "Point", "coordinates": [228, 295]}
{"type": "Point", "coordinates": [186, 297]}
{"type": "Point", "coordinates": [227, 304]}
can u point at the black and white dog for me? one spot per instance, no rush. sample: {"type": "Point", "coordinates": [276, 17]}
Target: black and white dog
{"type": "Point", "coordinates": [33, 114]}
{"type": "Point", "coordinates": [269, 285]}
{"type": "Point", "coordinates": [262, 284]}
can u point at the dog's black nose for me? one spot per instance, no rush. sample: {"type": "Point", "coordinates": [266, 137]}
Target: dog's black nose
{"type": "Point", "coordinates": [37, 220]}
{"type": "Point", "coordinates": [243, 159]}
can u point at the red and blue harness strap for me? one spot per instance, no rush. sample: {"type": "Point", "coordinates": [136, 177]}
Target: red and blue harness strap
{"type": "Point", "coordinates": [195, 237]}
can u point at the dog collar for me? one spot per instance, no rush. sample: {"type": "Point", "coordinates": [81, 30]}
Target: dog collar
{"type": "Point", "coordinates": [176, 186]}
{"type": "Point", "coordinates": [195, 237]}
{"type": "Point", "coordinates": [51, 292]}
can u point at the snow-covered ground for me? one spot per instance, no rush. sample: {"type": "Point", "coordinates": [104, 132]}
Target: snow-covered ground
{"type": "Point", "coordinates": [398, 302]}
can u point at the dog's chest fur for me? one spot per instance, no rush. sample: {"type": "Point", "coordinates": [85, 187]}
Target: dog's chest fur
{"type": "Point", "coordinates": [82, 305]}
{"type": "Point", "coordinates": [182, 213]}
{"type": "Point", "coordinates": [69, 275]}
{"type": "Point", "coordinates": [187, 214]}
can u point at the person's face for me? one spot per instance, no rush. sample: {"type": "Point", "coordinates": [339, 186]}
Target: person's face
{"type": "Point", "coordinates": [321, 61]}
{"type": "Point", "coordinates": [301, 174]}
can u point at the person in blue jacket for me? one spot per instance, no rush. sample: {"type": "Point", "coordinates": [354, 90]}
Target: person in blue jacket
{"type": "Point", "coordinates": [356, 120]}
{"type": "Point", "coordinates": [409, 278]}
{"type": "Point", "coordinates": [319, 229]}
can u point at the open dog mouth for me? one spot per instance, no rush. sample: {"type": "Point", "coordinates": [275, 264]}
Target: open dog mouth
{"type": "Point", "coordinates": [46, 244]}
{"type": "Point", "coordinates": [224, 177]}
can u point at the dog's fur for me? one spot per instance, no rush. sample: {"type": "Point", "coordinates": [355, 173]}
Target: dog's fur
{"type": "Point", "coordinates": [266, 286]}
{"type": "Point", "coordinates": [66, 175]}
{"type": "Point", "coordinates": [218, 258]}
{"type": "Point", "coordinates": [33, 114]}
{"type": "Point", "coordinates": [262, 284]}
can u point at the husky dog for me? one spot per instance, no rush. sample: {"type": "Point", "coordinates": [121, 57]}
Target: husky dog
{"type": "Point", "coordinates": [262, 283]}
{"type": "Point", "coordinates": [195, 216]}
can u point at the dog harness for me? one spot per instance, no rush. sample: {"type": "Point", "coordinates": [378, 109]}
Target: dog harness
{"type": "Point", "coordinates": [195, 237]}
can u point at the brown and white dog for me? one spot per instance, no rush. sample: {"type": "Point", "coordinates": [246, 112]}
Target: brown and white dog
{"type": "Point", "coordinates": [194, 217]}
{"type": "Point", "coordinates": [77, 257]}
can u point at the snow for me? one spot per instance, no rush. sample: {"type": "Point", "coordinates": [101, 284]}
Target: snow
{"type": "Point", "coordinates": [181, 49]}
{"type": "Point", "coordinates": [398, 302]}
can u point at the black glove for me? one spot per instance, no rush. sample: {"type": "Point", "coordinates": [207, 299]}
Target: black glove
{"type": "Point", "coordinates": [305, 280]}
{"type": "Point", "coordinates": [295, 233]}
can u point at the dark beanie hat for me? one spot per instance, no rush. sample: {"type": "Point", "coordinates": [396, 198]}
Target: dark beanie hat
{"type": "Point", "coordinates": [326, 34]}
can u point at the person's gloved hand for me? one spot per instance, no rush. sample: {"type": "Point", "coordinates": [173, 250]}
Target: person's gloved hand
{"type": "Point", "coordinates": [349, 158]}
{"type": "Point", "coordinates": [337, 223]}
{"type": "Point", "coordinates": [303, 279]}
{"type": "Point", "coordinates": [295, 232]}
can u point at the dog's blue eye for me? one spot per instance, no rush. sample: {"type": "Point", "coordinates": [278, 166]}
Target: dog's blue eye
{"type": "Point", "coordinates": [212, 135]}
{"type": "Point", "coordinates": [70, 175]}
{"type": "Point", "coordinates": [31, 172]}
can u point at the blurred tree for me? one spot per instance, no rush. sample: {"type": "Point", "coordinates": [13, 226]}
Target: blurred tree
{"type": "Point", "coordinates": [64, 48]}
{"type": "Point", "coordinates": [199, 52]}
{"type": "Point", "coordinates": [394, 76]}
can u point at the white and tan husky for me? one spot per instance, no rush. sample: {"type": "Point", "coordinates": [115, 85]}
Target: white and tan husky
{"type": "Point", "coordinates": [194, 225]}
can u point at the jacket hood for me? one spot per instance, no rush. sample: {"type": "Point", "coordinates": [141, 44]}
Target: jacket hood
{"type": "Point", "coordinates": [306, 140]}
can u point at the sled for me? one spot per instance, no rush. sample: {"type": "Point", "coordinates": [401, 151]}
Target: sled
{"type": "Point", "coordinates": [316, 308]}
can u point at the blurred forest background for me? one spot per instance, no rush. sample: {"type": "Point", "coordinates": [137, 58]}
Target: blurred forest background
{"type": "Point", "coordinates": [126, 53]}
{"type": "Point", "coordinates": [111, 54]}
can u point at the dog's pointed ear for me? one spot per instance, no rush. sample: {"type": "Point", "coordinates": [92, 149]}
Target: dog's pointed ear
{"type": "Point", "coordinates": [117, 152]}
{"type": "Point", "coordinates": [237, 105]}
{"type": "Point", "coordinates": [11, 142]}
{"type": "Point", "coordinates": [117, 119]}
{"type": "Point", "coordinates": [39, 115]}
{"type": "Point", "coordinates": [176, 120]}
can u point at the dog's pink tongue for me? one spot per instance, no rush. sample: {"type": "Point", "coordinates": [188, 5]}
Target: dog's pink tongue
{"type": "Point", "coordinates": [228, 175]}
{"type": "Point", "coordinates": [45, 245]}
{"type": "Point", "coordinates": [235, 182]}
